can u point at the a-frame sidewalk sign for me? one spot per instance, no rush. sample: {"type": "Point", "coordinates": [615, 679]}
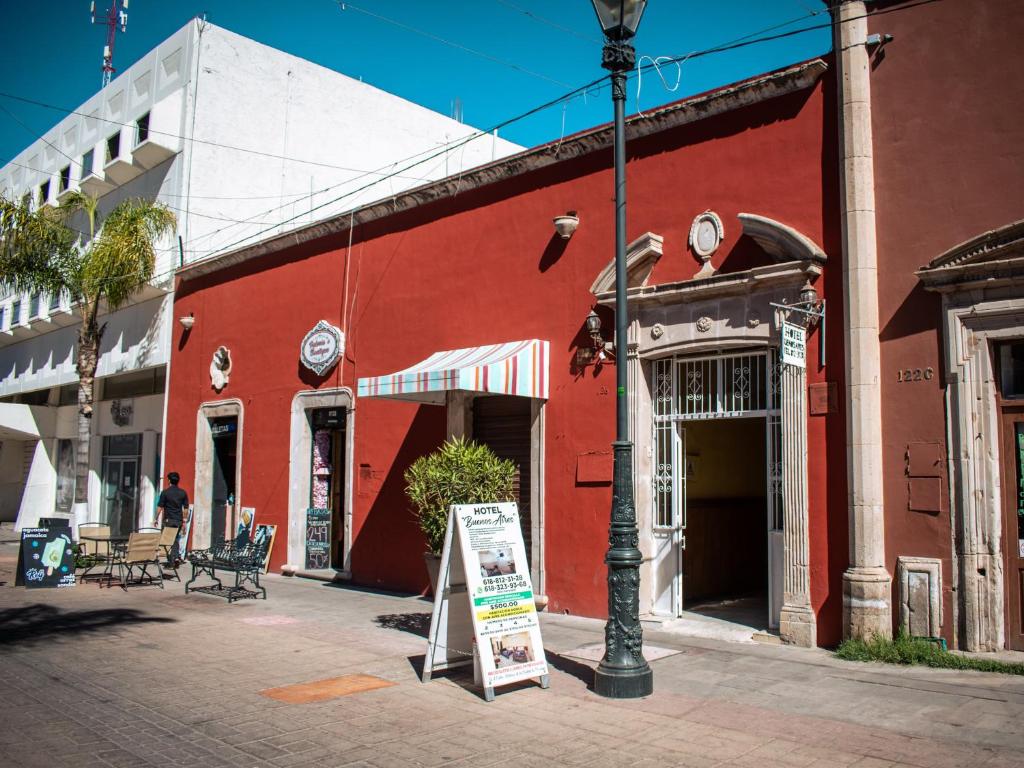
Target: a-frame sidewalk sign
{"type": "Point", "coordinates": [484, 613]}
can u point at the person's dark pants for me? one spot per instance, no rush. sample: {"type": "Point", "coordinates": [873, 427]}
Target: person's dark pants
{"type": "Point", "coordinates": [173, 552]}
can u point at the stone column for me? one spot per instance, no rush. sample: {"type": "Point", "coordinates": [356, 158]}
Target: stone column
{"type": "Point", "coordinates": [797, 623]}
{"type": "Point", "coordinates": [866, 583]}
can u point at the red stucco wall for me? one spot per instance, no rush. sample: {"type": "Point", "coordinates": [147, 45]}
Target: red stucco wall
{"type": "Point", "coordinates": [484, 267]}
{"type": "Point", "coordinates": [949, 155]}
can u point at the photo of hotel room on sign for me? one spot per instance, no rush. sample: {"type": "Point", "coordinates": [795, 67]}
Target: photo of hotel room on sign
{"type": "Point", "coordinates": [496, 562]}
{"type": "Point", "coordinates": [509, 650]}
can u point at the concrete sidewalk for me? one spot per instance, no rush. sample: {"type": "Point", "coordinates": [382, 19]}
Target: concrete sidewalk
{"type": "Point", "coordinates": [100, 677]}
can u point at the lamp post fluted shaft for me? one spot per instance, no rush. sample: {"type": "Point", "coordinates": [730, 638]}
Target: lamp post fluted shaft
{"type": "Point", "coordinates": [623, 672]}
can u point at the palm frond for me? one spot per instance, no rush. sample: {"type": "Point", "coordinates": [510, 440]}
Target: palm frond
{"type": "Point", "coordinates": [37, 252]}
{"type": "Point", "coordinates": [121, 258]}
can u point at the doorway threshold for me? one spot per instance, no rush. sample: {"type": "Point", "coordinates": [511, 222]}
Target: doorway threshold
{"type": "Point", "coordinates": [736, 621]}
{"type": "Point", "coordinates": [325, 574]}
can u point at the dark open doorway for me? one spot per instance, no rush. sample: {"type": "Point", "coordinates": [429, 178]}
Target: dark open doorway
{"type": "Point", "coordinates": [224, 431]}
{"type": "Point", "coordinates": [725, 562]}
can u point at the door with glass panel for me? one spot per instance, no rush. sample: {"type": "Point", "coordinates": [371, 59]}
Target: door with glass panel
{"type": "Point", "coordinates": [120, 500]}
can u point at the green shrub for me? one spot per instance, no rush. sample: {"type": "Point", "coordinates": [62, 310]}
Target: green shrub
{"type": "Point", "coordinates": [459, 472]}
{"type": "Point", "coordinates": [916, 650]}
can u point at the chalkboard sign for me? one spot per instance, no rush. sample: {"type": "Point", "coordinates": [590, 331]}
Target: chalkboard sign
{"type": "Point", "coordinates": [318, 538]}
{"type": "Point", "coordinates": [47, 557]}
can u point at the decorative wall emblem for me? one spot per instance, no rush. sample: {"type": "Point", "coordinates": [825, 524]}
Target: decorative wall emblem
{"type": "Point", "coordinates": [704, 324]}
{"type": "Point", "coordinates": [706, 234]}
{"type": "Point", "coordinates": [220, 368]}
{"type": "Point", "coordinates": [322, 347]}
{"type": "Point", "coordinates": [121, 412]}
{"type": "Point", "coordinates": [657, 331]}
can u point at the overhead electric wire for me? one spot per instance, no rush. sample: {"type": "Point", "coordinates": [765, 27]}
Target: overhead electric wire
{"type": "Point", "coordinates": [345, 6]}
{"type": "Point", "coordinates": [155, 132]}
{"type": "Point", "coordinates": [601, 82]}
{"type": "Point", "coordinates": [555, 24]}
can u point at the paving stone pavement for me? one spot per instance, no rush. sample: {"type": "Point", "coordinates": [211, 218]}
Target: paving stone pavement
{"type": "Point", "coordinates": [100, 677]}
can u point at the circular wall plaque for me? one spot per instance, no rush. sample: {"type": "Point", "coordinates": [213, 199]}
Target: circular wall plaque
{"type": "Point", "coordinates": [322, 347]}
{"type": "Point", "coordinates": [706, 234]}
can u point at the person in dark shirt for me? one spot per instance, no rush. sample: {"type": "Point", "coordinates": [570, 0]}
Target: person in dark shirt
{"type": "Point", "coordinates": [171, 511]}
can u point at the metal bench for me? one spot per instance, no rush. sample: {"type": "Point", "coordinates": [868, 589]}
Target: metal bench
{"type": "Point", "coordinates": [244, 559]}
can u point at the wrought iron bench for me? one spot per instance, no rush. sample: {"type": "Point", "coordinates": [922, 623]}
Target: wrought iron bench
{"type": "Point", "coordinates": [244, 559]}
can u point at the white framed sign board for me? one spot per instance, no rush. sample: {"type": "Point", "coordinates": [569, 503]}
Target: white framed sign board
{"type": "Point", "coordinates": [794, 345]}
{"type": "Point", "coordinates": [484, 611]}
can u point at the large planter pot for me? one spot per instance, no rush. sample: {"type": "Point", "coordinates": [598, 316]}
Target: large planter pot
{"type": "Point", "coordinates": [433, 563]}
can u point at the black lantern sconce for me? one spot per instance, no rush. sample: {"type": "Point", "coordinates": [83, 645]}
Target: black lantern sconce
{"type": "Point", "coordinates": [811, 312]}
{"type": "Point", "coordinates": [599, 351]}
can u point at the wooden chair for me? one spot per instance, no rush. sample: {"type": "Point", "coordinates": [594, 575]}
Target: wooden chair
{"type": "Point", "coordinates": [94, 553]}
{"type": "Point", "coordinates": [167, 538]}
{"type": "Point", "coordinates": [143, 551]}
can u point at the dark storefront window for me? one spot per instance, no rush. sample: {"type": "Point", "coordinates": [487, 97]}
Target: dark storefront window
{"type": "Point", "coordinates": [1011, 369]}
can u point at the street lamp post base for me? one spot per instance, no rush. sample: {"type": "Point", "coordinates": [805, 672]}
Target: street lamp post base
{"type": "Point", "coordinates": [629, 683]}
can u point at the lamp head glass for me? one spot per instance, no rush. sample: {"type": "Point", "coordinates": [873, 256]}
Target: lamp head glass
{"type": "Point", "coordinates": [619, 19]}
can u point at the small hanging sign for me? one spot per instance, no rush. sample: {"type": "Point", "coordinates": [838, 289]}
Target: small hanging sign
{"type": "Point", "coordinates": [322, 347]}
{"type": "Point", "coordinates": [794, 345]}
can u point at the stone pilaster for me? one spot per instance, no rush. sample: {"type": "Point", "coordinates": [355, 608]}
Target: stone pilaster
{"type": "Point", "coordinates": [866, 584]}
{"type": "Point", "coordinates": [797, 623]}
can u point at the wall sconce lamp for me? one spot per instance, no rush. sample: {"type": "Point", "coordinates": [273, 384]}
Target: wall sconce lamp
{"type": "Point", "coordinates": [877, 42]}
{"type": "Point", "coordinates": [599, 350]}
{"type": "Point", "coordinates": [187, 321]}
{"type": "Point", "coordinates": [566, 224]}
{"type": "Point", "coordinates": [809, 300]}
{"type": "Point", "coordinates": [811, 311]}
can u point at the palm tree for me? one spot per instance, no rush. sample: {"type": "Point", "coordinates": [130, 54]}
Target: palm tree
{"type": "Point", "coordinates": [39, 251]}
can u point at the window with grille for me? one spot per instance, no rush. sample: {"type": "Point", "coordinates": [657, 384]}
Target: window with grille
{"type": "Point", "coordinates": [688, 389]}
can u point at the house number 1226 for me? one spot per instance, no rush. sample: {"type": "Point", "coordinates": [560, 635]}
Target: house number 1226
{"type": "Point", "coordinates": [915, 374]}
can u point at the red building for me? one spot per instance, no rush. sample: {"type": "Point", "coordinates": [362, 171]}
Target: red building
{"type": "Point", "coordinates": [733, 210]}
{"type": "Point", "coordinates": [878, 488]}
{"type": "Point", "coordinates": [948, 144]}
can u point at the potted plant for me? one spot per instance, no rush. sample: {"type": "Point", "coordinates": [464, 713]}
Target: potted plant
{"type": "Point", "coordinates": [459, 472]}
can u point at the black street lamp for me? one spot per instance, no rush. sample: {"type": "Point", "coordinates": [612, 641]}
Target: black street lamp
{"type": "Point", "coordinates": [623, 672]}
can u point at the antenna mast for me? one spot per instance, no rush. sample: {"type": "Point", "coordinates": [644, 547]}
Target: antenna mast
{"type": "Point", "coordinates": [115, 19]}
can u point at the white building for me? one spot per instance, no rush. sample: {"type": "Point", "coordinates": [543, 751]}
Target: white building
{"type": "Point", "coordinates": [240, 141]}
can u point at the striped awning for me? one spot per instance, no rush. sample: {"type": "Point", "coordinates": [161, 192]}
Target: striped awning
{"type": "Point", "coordinates": [514, 368]}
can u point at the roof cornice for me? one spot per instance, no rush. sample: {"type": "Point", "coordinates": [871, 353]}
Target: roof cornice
{"type": "Point", "coordinates": [694, 109]}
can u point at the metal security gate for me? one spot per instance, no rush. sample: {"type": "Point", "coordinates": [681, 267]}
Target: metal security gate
{"type": "Point", "coordinates": [705, 388]}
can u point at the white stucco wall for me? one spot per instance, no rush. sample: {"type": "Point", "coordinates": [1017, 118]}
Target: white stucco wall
{"type": "Point", "coordinates": [211, 95]}
{"type": "Point", "coordinates": [254, 97]}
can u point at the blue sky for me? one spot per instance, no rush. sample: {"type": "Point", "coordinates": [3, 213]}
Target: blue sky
{"type": "Point", "coordinates": [524, 52]}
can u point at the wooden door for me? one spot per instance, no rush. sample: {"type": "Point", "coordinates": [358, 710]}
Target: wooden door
{"type": "Point", "coordinates": [503, 424]}
{"type": "Point", "coordinates": [1013, 523]}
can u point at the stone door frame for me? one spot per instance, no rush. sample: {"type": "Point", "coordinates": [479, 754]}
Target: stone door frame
{"type": "Point", "coordinates": [201, 519]}
{"type": "Point", "coordinates": [982, 286]}
{"type": "Point", "coordinates": [718, 314]}
{"type": "Point", "coordinates": [300, 477]}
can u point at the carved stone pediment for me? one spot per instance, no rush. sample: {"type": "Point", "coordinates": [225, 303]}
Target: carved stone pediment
{"type": "Point", "coordinates": [641, 256]}
{"type": "Point", "coordinates": [992, 258]}
{"type": "Point", "coordinates": [779, 240]}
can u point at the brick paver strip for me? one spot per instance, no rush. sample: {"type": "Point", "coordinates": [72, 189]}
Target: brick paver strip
{"type": "Point", "coordinates": [323, 690]}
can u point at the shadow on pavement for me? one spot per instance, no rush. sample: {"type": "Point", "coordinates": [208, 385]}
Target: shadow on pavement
{"type": "Point", "coordinates": [45, 622]}
{"type": "Point", "coordinates": [580, 671]}
{"type": "Point", "coordinates": [413, 623]}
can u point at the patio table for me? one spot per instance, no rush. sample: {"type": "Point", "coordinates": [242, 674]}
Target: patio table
{"type": "Point", "coordinates": [111, 542]}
